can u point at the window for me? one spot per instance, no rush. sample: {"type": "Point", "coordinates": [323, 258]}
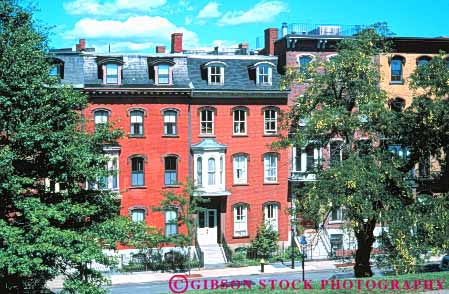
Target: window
{"type": "Point", "coordinates": [111, 73]}
{"type": "Point", "coordinates": [304, 62]}
{"type": "Point", "coordinates": [170, 117]}
{"type": "Point", "coordinates": [110, 182]}
{"type": "Point", "coordinates": [211, 171]}
{"type": "Point", "coordinates": [336, 215]}
{"type": "Point", "coordinates": [55, 70]}
{"type": "Point", "coordinates": [171, 223]}
{"type": "Point", "coordinates": [270, 117]}
{"type": "Point", "coordinates": [363, 146]}
{"type": "Point", "coordinates": [336, 241]}
{"type": "Point", "coordinates": [163, 72]}
{"type": "Point", "coordinates": [207, 122]}
{"type": "Point", "coordinates": [137, 172]}
{"type": "Point", "coordinates": [136, 122]}
{"type": "Point", "coordinates": [310, 157]}
{"type": "Point", "coordinates": [239, 122]}
{"type": "Point", "coordinates": [241, 221]}
{"type": "Point", "coordinates": [171, 171]}
{"type": "Point", "coordinates": [264, 72]}
{"type": "Point", "coordinates": [396, 69]}
{"type": "Point", "coordinates": [138, 215]}
{"type": "Point", "coordinates": [221, 170]}
{"type": "Point", "coordinates": [423, 60]}
{"type": "Point", "coordinates": [216, 75]}
{"type": "Point", "coordinates": [271, 215]}
{"type": "Point", "coordinates": [101, 118]}
{"type": "Point", "coordinates": [336, 152]}
{"type": "Point", "coordinates": [240, 169]}
{"type": "Point", "coordinates": [270, 168]}
{"type": "Point", "coordinates": [397, 104]}
{"type": "Point", "coordinates": [199, 171]}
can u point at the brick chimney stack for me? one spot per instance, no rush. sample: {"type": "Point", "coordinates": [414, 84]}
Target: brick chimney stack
{"type": "Point", "coordinates": [160, 49]}
{"type": "Point", "coordinates": [81, 45]}
{"type": "Point", "coordinates": [176, 43]}
{"type": "Point", "coordinates": [271, 35]}
{"type": "Point", "coordinates": [243, 48]}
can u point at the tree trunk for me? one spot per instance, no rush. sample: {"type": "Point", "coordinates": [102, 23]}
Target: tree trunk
{"type": "Point", "coordinates": [365, 240]}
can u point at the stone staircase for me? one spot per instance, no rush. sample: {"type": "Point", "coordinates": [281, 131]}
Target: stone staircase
{"type": "Point", "coordinates": [214, 256]}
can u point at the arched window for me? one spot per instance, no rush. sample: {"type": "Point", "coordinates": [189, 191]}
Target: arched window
{"type": "Point", "coordinates": [199, 171]}
{"type": "Point", "coordinates": [171, 222]}
{"type": "Point", "coordinates": [171, 170]}
{"type": "Point", "coordinates": [137, 122]}
{"type": "Point", "coordinates": [240, 220]}
{"type": "Point", "coordinates": [101, 118]}
{"type": "Point", "coordinates": [137, 171]}
{"type": "Point", "coordinates": [271, 214]}
{"type": "Point", "coordinates": [138, 215]}
{"type": "Point", "coordinates": [423, 60]}
{"type": "Point", "coordinates": [397, 104]}
{"type": "Point", "coordinates": [270, 119]}
{"type": "Point", "coordinates": [303, 62]}
{"type": "Point", "coordinates": [170, 120]}
{"type": "Point", "coordinates": [396, 65]}
{"type": "Point", "coordinates": [211, 171]}
{"type": "Point", "coordinates": [239, 122]}
{"type": "Point", "coordinates": [270, 168]}
{"type": "Point", "coordinates": [240, 169]}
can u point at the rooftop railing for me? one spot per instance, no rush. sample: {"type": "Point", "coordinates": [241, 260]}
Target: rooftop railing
{"type": "Point", "coordinates": [323, 29]}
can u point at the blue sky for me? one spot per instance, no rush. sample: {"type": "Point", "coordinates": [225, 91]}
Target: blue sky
{"type": "Point", "coordinates": [139, 25]}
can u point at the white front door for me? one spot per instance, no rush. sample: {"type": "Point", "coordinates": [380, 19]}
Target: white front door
{"type": "Point", "coordinates": [207, 226]}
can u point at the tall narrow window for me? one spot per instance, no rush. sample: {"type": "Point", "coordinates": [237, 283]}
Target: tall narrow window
{"type": "Point", "coordinates": [264, 72]}
{"type": "Point", "coordinates": [101, 118]}
{"type": "Point", "coordinates": [136, 122]}
{"type": "Point", "coordinates": [170, 117]}
{"type": "Point", "coordinates": [396, 69]}
{"type": "Point", "coordinates": [221, 170]}
{"type": "Point", "coordinates": [137, 172]}
{"type": "Point", "coordinates": [240, 169]}
{"type": "Point", "coordinates": [310, 157]}
{"type": "Point", "coordinates": [337, 215]}
{"type": "Point", "coordinates": [239, 122]}
{"type": "Point", "coordinates": [114, 177]}
{"type": "Point", "coordinates": [336, 152]}
{"type": "Point", "coordinates": [270, 121]}
{"type": "Point", "coordinates": [207, 122]}
{"type": "Point", "coordinates": [199, 171]}
{"type": "Point", "coordinates": [216, 75]}
{"type": "Point", "coordinates": [163, 71]}
{"type": "Point", "coordinates": [270, 168]}
{"type": "Point", "coordinates": [271, 215]}
{"type": "Point", "coordinates": [304, 62]}
{"type": "Point", "coordinates": [298, 160]}
{"type": "Point", "coordinates": [171, 170]}
{"type": "Point", "coordinates": [211, 171]}
{"type": "Point", "coordinates": [138, 215]}
{"type": "Point", "coordinates": [171, 223]}
{"type": "Point", "coordinates": [111, 73]}
{"type": "Point", "coordinates": [240, 221]}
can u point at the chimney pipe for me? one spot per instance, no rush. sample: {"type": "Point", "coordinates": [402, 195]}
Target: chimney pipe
{"type": "Point", "coordinates": [160, 49]}
{"type": "Point", "coordinates": [176, 43]}
{"type": "Point", "coordinates": [271, 35]}
{"type": "Point", "coordinates": [81, 45]}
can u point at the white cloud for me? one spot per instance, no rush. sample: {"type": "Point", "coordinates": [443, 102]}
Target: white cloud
{"type": "Point", "coordinates": [110, 8]}
{"type": "Point", "coordinates": [133, 34]}
{"type": "Point", "coordinates": [264, 11]}
{"type": "Point", "coordinates": [209, 11]}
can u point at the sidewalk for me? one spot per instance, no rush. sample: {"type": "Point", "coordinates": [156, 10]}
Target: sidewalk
{"type": "Point", "coordinates": [147, 277]}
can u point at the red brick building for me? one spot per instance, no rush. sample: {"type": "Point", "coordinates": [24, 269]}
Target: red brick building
{"type": "Point", "coordinates": [207, 116]}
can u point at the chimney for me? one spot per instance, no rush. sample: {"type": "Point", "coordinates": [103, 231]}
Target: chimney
{"type": "Point", "coordinates": [176, 43]}
{"type": "Point", "coordinates": [284, 29]}
{"type": "Point", "coordinates": [271, 35]}
{"type": "Point", "coordinates": [243, 48]}
{"type": "Point", "coordinates": [160, 49]}
{"type": "Point", "coordinates": [81, 46]}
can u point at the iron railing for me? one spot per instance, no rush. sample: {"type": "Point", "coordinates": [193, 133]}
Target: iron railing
{"type": "Point", "coordinates": [226, 249]}
{"type": "Point", "coordinates": [199, 252]}
{"type": "Point", "coordinates": [324, 29]}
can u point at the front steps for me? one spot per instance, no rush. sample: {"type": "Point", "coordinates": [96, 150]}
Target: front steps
{"type": "Point", "coordinates": [213, 256]}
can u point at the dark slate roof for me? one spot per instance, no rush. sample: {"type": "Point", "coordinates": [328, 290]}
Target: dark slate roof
{"type": "Point", "coordinates": [237, 73]}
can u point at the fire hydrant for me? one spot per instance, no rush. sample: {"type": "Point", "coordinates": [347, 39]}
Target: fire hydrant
{"type": "Point", "coordinates": [262, 265]}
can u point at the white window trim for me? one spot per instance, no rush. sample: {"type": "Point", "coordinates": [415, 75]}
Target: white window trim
{"type": "Point", "coordinates": [170, 74]}
{"type": "Point", "coordinates": [213, 123]}
{"type": "Point", "coordinates": [105, 74]}
{"type": "Point", "coordinates": [265, 173]}
{"type": "Point", "coordinates": [270, 132]}
{"type": "Point", "coordinates": [244, 179]}
{"type": "Point", "coordinates": [270, 75]}
{"type": "Point", "coordinates": [317, 155]}
{"type": "Point", "coordinates": [241, 226]}
{"type": "Point", "coordinates": [274, 220]}
{"type": "Point", "coordinates": [209, 75]}
{"type": "Point", "coordinates": [240, 121]}
{"type": "Point", "coordinates": [330, 151]}
{"type": "Point", "coordinates": [336, 221]}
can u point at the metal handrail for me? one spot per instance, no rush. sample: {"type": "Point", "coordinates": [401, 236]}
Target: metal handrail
{"type": "Point", "coordinates": [199, 252]}
{"type": "Point", "coordinates": [226, 249]}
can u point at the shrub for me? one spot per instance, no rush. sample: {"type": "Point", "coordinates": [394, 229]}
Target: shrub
{"type": "Point", "coordinates": [265, 242]}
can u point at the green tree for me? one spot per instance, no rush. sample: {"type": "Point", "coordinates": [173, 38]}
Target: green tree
{"type": "Point", "coordinates": [265, 243]}
{"type": "Point", "coordinates": [45, 232]}
{"type": "Point", "coordinates": [343, 100]}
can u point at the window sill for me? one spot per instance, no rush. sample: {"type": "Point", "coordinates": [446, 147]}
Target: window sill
{"type": "Point", "coordinates": [396, 82]}
{"type": "Point", "coordinates": [136, 136]}
{"type": "Point", "coordinates": [335, 222]}
{"type": "Point", "coordinates": [240, 237]}
{"type": "Point", "coordinates": [271, 183]}
{"type": "Point", "coordinates": [137, 187]}
{"type": "Point", "coordinates": [170, 136]}
{"type": "Point", "coordinates": [171, 186]}
{"type": "Point", "coordinates": [240, 136]}
{"type": "Point", "coordinates": [237, 185]}
{"type": "Point", "coordinates": [271, 135]}
{"type": "Point", "coordinates": [206, 136]}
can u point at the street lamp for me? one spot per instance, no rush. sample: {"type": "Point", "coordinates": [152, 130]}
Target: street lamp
{"type": "Point", "coordinates": [303, 243]}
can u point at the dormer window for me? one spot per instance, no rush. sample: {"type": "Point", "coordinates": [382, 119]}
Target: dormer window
{"type": "Point", "coordinates": [161, 70]}
{"type": "Point", "coordinates": [264, 74]}
{"type": "Point", "coordinates": [57, 68]}
{"type": "Point", "coordinates": [111, 73]}
{"type": "Point", "coordinates": [110, 70]}
{"type": "Point", "coordinates": [216, 75]}
{"type": "Point", "coordinates": [163, 73]}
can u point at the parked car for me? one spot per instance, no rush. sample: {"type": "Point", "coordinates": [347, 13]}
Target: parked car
{"type": "Point", "coordinates": [444, 265]}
